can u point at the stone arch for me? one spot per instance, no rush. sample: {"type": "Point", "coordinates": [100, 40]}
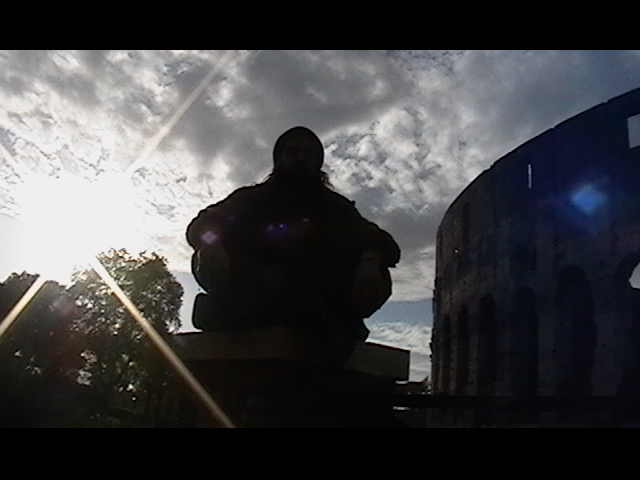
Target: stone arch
{"type": "Point", "coordinates": [487, 335]}
{"type": "Point", "coordinates": [462, 351]}
{"type": "Point", "coordinates": [524, 342]}
{"type": "Point", "coordinates": [575, 332]}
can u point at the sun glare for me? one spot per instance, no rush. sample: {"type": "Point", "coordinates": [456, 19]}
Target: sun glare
{"type": "Point", "coordinates": [68, 220]}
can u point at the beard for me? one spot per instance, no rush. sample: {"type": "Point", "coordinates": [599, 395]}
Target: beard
{"type": "Point", "coordinates": [298, 181]}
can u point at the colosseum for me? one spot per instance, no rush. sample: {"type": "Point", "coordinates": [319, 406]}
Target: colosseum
{"type": "Point", "coordinates": [534, 260]}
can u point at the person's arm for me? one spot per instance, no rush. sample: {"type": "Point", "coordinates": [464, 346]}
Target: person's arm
{"type": "Point", "coordinates": [371, 285]}
{"type": "Point", "coordinates": [371, 241]}
{"type": "Point", "coordinates": [207, 227]}
{"type": "Point", "coordinates": [205, 234]}
{"type": "Point", "coordinates": [378, 245]}
{"type": "Point", "coordinates": [376, 252]}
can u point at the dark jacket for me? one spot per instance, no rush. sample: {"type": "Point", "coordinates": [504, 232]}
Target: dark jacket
{"type": "Point", "coordinates": [291, 254]}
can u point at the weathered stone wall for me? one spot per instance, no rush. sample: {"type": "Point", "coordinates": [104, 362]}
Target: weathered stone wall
{"type": "Point", "coordinates": [533, 264]}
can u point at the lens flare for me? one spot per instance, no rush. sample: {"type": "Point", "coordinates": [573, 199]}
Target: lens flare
{"type": "Point", "coordinates": [163, 347]}
{"type": "Point", "coordinates": [20, 305]}
{"type": "Point", "coordinates": [209, 237]}
{"type": "Point", "coordinates": [588, 199]}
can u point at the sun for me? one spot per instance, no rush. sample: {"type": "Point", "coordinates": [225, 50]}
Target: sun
{"type": "Point", "coordinates": [69, 219]}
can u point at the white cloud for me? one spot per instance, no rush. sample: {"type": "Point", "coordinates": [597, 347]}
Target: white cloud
{"type": "Point", "coordinates": [405, 130]}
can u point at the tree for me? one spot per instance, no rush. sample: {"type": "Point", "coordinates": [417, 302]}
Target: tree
{"type": "Point", "coordinates": [146, 281]}
{"type": "Point", "coordinates": [75, 352]}
{"type": "Point", "coordinates": [40, 355]}
{"type": "Point", "coordinates": [124, 364]}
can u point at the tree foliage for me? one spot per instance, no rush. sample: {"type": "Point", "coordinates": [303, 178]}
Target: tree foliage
{"type": "Point", "coordinates": [40, 356]}
{"type": "Point", "coordinates": [124, 365]}
{"type": "Point", "coordinates": [145, 279]}
{"type": "Point", "coordinates": [78, 347]}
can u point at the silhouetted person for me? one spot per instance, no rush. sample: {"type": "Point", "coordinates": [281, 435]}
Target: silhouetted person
{"type": "Point", "coordinates": [291, 251]}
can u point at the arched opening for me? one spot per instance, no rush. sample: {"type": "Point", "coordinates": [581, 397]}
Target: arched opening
{"type": "Point", "coordinates": [524, 338]}
{"type": "Point", "coordinates": [575, 338]}
{"type": "Point", "coordinates": [627, 283]}
{"type": "Point", "coordinates": [445, 355]}
{"type": "Point", "coordinates": [462, 351]}
{"type": "Point", "coordinates": [487, 346]}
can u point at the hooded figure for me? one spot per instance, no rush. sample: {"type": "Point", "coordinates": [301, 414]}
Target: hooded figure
{"type": "Point", "coordinates": [291, 251]}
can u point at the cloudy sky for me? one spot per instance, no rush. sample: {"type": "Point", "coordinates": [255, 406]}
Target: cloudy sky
{"type": "Point", "coordinates": [104, 149]}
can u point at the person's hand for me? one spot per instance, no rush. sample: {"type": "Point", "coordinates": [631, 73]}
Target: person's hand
{"type": "Point", "coordinates": [369, 289]}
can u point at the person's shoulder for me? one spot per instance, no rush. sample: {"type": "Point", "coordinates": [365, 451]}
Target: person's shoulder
{"type": "Point", "coordinates": [248, 190]}
{"type": "Point", "coordinates": [338, 198]}
{"type": "Point", "coordinates": [341, 205]}
{"type": "Point", "coordinates": [245, 193]}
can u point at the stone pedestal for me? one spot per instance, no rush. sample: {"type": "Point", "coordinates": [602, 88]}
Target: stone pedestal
{"type": "Point", "coordinates": [269, 378]}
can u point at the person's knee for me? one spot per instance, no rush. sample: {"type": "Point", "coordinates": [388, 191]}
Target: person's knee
{"type": "Point", "coordinates": [210, 266]}
{"type": "Point", "coordinates": [370, 289]}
